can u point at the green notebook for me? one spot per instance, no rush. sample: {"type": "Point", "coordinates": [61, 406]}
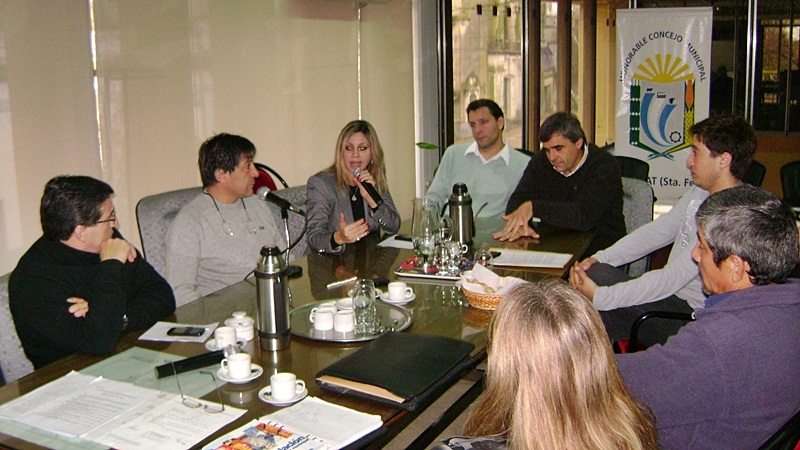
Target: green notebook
{"type": "Point", "coordinates": [399, 369]}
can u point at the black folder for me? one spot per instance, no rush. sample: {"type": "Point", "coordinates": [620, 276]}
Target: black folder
{"type": "Point", "coordinates": [399, 369]}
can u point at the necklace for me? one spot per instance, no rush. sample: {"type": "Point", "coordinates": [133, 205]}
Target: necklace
{"type": "Point", "coordinates": [251, 227]}
{"type": "Point", "coordinates": [353, 190]}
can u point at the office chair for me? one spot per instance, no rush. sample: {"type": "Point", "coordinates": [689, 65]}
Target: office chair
{"type": "Point", "coordinates": [790, 182]}
{"type": "Point", "coordinates": [13, 362]}
{"type": "Point", "coordinates": [154, 215]}
{"type": "Point", "coordinates": [633, 168]}
{"type": "Point", "coordinates": [755, 174]}
{"type": "Point", "coordinates": [266, 177]}
{"type": "Point", "coordinates": [637, 205]}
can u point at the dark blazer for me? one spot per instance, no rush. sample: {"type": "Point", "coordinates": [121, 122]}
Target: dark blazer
{"type": "Point", "coordinates": [326, 201]}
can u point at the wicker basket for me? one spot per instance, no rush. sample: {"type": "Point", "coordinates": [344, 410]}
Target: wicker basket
{"type": "Point", "coordinates": [482, 300]}
{"type": "Point", "coordinates": [476, 318]}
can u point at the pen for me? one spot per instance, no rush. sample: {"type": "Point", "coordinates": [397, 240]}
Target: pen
{"type": "Point", "coordinates": [336, 284]}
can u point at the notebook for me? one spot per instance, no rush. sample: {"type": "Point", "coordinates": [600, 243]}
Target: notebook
{"type": "Point", "coordinates": [311, 424]}
{"type": "Point", "coordinates": [399, 369]}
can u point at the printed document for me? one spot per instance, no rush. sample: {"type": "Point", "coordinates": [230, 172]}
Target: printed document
{"type": "Point", "coordinates": [114, 413]}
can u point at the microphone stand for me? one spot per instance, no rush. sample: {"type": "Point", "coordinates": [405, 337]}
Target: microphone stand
{"type": "Point", "coordinates": [292, 269]}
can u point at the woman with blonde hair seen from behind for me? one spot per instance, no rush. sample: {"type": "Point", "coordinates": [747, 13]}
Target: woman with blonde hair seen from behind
{"type": "Point", "coordinates": [341, 207]}
{"type": "Point", "coordinates": [552, 381]}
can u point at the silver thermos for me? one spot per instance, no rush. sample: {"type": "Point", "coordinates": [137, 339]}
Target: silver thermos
{"type": "Point", "coordinates": [460, 206]}
{"type": "Point", "coordinates": [272, 290]}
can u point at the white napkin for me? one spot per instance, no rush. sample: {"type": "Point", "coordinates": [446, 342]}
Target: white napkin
{"type": "Point", "coordinates": [501, 285]}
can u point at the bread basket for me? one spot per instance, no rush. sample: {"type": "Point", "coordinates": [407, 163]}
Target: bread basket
{"type": "Point", "coordinates": [482, 300]}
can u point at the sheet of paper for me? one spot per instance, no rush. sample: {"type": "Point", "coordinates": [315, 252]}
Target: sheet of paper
{"type": "Point", "coordinates": [393, 242]}
{"type": "Point", "coordinates": [158, 332]}
{"type": "Point", "coordinates": [75, 404]}
{"type": "Point", "coordinates": [528, 258]}
{"type": "Point", "coordinates": [164, 423]}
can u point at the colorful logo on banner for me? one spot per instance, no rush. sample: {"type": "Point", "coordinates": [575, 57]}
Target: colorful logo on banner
{"type": "Point", "coordinates": [662, 106]}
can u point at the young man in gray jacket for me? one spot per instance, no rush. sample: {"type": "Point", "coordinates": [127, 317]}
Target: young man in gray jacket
{"type": "Point", "coordinates": [722, 149]}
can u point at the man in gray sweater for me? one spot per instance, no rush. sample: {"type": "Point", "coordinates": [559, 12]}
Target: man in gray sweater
{"type": "Point", "coordinates": [721, 151]}
{"type": "Point", "coordinates": [215, 240]}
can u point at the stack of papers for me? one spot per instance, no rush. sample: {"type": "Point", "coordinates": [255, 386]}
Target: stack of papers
{"type": "Point", "coordinates": [528, 258]}
{"type": "Point", "coordinates": [116, 414]}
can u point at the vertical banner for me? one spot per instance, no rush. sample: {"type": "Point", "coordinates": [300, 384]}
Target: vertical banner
{"type": "Point", "coordinates": [664, 72]}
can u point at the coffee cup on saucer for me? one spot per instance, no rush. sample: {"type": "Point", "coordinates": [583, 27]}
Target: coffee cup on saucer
{"type": "Point", "coordinates": [237, 366]}
{"type": "Point", "coordinates": [285, 386]}
{"type": "Point", "coordinates": [399, 291]}
{"type": "Point", "coordinates": [224, 336]}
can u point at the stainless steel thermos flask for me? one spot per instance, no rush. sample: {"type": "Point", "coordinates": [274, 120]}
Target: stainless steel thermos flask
{"type": "Point", "coordinates": [460, 206]}
{"type": "Point", "coordinates": [272, 290]}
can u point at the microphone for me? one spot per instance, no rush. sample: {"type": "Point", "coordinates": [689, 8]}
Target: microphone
{"type": "Point", "coordinates": [195, 362]}
{"type": "Point", "coordinates": [370, 189]}
{"type": "Point", "coordinates": [265, 194]}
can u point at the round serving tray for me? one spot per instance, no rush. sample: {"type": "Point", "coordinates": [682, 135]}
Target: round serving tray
{"type": "Point", "coordinates": [392, 318]}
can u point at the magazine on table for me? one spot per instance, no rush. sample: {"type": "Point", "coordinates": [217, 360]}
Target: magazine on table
{"type": "Point", "coordinates": [311, 424]}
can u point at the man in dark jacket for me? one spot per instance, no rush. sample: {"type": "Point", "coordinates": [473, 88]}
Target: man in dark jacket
{"type": "Point", "coordinates": [569, 184]}
{"type": "Point", "coordinates": [81, 284]}
{"type": "Point", "coordinates": [730, 378]}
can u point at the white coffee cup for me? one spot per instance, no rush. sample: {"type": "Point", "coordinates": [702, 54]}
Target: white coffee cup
{"type": "Point", "coordinates": [323, 319]}
{"type": "Point", "coordinates": [399, 291]}
{"type": "Point", "coordinates": [344, 321]}
{"type": "Point", "coordinates": [224, 336]}
{"type": "Point", "coordinates": [285, 386]}
{"type": "Point", "coordinates": [345, 304]}
{"type": "Point", "coordinates": [237, 366]}
{"type": "Point", "coordinates": [323, 307]}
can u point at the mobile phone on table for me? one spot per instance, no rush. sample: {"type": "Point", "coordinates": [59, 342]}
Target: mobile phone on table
{"type": "Point", "coordinates": [403, 237]}
{"type": "Point", "coordinates": [186, 331]}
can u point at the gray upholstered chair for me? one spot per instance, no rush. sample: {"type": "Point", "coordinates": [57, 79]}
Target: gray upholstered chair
{"type": "Point", "coordinates": [13, 362]}
{"type": "Point", "coordinates": [638, 209]}
{"type": "Point", "coordinates": [154, 215]}
{"type": "Point", "coordinates": [297, 196]}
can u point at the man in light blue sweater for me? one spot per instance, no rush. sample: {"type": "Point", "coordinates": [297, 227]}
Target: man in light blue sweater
{"type": "Point", "coordinates": [488, 166]}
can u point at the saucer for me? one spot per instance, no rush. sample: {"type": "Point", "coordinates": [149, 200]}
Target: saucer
{"type": "Point", "coordinates": [211, 345]}
{"type": "Point", "coordinates": [385, 298]}
{"type": "Point", "coordinates": [255, 372]}
{"type": "Point", "coordinates": [378, 292]}
{"type": "Point", "coordinates": [264, 395]}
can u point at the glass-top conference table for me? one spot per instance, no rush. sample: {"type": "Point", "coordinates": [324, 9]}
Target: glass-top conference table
{"type": "Point", "coordinates": [439, 308]}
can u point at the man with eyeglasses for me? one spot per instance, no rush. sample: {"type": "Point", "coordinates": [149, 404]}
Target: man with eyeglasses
{"type": "Point", "coordinates": [81, 284]}
{"type": "Point", "coordinates": [721, 151]}
{"type": "Point", "coordinates": [216, 238]}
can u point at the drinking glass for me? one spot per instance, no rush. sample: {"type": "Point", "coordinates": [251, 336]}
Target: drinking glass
{"type": "Point", "coordinates": [484, 257]}
{"type": "Point", "coordinates": [445, 229]}
{"type": "Point", "coordinates": [364, 307]}
{"type": "Point", "coordinates": [424, 229]}
{"type": "Point", "coordinates": [456, 250]}
{"type": "Point", "coordinates": [442, 259]}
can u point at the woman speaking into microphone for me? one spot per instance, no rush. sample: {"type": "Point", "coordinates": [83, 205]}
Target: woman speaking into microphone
{"type": "Point", "coordinates": [350, 199]}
